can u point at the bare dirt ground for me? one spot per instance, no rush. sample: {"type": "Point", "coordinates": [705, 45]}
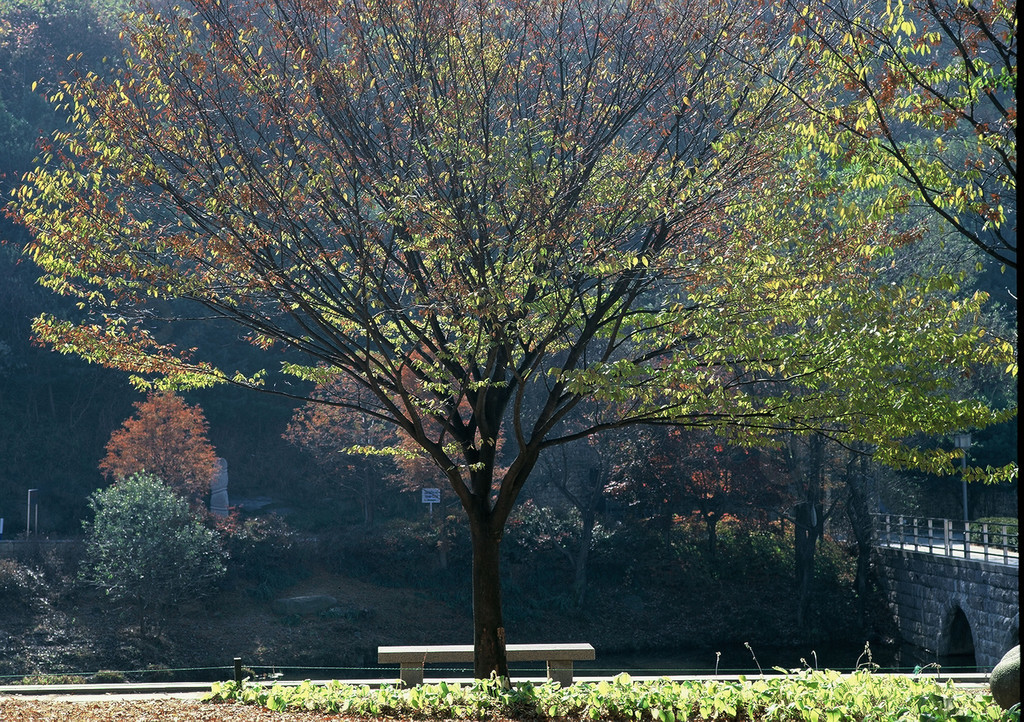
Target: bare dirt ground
{"type": "Point", "coordinates": [83, 634]}
{"type": "Point", "coordinates": [147, 710]}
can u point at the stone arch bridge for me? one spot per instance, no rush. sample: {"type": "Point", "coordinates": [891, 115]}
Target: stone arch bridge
{"type": "Point", "coordinates": [953, 587]}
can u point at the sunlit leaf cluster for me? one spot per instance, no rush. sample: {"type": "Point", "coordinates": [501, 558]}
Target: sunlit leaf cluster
{"type": "Point", "coordinates": [916, 102]}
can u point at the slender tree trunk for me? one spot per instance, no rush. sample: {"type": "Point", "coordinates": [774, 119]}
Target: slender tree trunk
{"type": "Point", "coordinates": [583, 555]}
{"type": "Point", "coordinates": [585, 502]}
{"type": "Point", "coordinates": [370, 473]}
{"type": "Point", "coordinates": [806, 523]}
{"type": "Point", "coordinates": [858, 509]}
{"type": "Point", "coordinates": [711, 522]}
{"type": "Point", "coordinates": [808, 526]}
{"type": "Point", "coordinates": [488, 628]}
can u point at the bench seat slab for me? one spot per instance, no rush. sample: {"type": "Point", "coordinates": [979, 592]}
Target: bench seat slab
{"type": "Point", "coordinates": [412, 658]}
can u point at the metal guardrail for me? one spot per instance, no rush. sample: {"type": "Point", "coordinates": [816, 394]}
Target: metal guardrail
{"type": "Point", "coordinates": [981, 541]}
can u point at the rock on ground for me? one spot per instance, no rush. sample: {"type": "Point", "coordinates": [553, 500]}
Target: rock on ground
{"type": "Point", "coordinates": [1005, 679]}
{"type": "Point", "coordinates": [309, 604]}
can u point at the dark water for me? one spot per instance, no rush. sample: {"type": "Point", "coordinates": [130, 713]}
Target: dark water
{"type": "Point", "coordinates": [738, 659]}
{"type": "Point", "coordinates": [727, 659]}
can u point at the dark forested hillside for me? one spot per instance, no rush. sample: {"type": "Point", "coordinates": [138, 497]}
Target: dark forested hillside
{"type": "Point", "coordinates": [57, 412]}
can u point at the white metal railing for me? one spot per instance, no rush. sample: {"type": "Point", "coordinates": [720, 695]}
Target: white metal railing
{"type": "Point", "coordinates": [983, 541]}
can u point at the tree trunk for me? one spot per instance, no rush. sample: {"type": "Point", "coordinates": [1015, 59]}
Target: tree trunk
{"type": "Point", "coordinates": [583, 555]}
{"type": "Point", "coordinates": [488, 628]}
{"type": "Point", "coordinates": [858, 509]}
{"type": "Point", "coordinates": [442, 539]}
{"type": "Point", "coordinates": [585, 502]}
{"type": "Point", "coordinates": [806, 519]}
{"type": "Point", "coordinates": [368, 495]}
{"type": "Point", "coordinates": [711, 523]}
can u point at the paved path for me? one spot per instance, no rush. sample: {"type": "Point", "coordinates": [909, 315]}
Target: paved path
{"type": "Point", "coordinates": [195, 690]}
{"type": "Point", "coordinates": [935, 546]}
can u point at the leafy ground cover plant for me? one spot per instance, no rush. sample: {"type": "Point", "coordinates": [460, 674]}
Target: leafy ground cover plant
{"type": "Point", "coordinates": [803, 696]}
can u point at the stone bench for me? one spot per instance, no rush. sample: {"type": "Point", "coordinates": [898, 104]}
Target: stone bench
{"type": "Point", "coordinates": [412, 659]}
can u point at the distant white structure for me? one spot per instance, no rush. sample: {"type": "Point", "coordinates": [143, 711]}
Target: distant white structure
{"type": "Point", "coordinates": [219, 489]}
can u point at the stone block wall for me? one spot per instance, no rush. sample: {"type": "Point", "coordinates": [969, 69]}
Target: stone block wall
{"type": "Point", "coordinates": [926, 591]}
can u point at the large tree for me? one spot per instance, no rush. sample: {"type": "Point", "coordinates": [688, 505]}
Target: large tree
{"type": "Point", "coordinates": [483, 214]}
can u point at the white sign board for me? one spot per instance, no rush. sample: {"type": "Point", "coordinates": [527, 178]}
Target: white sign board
{"type": "Point", "coordinates": [431, 496]}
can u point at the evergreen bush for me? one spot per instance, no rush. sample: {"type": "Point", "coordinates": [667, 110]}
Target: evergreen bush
{"type": "Point", "coordinates": [146, 549]}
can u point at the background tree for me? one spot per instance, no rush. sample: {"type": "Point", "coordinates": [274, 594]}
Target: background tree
{"type": "Point", "coordinates": [533, 528]}
{"type": "Point", "coordinates": [39, 42]}
{"type": "Point", "coordinates": [145, 548]}
{"type": "Point", "coordinates": [166, 438]}
{"type": "Point", "coordinates": [860, 502]}
{"type": "Point", "coordinates": [669, 474]}
{"type": "Point", "coordinates": [483, 215]}
{"type": "Point", "coordinates": [647, 481]}
{"type": "Point", "coordinates": [718, 479]}
{"type": "Point", "coordinates": [580, 473]}
{"type": "Point", "coordinates": [334, 435]}
{"type": "Point", "coordinates": [810, 472]}
{"type": "Point", "coordinates": [921, 97]}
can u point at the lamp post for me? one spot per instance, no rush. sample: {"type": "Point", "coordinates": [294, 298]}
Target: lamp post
{"type": "Point", "coordinates": [28, 514]}
{"type": "Point", "coordinates": [963, 441]}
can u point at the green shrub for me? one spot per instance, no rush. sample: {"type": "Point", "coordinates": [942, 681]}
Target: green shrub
{"type": "Point", "coordinates": [146, 549]}
{"type": "Point", "coordinates": [108, 676]}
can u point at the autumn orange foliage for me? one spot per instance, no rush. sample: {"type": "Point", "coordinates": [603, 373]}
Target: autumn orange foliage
{"type": "Point", "coordinates": [168, 438]}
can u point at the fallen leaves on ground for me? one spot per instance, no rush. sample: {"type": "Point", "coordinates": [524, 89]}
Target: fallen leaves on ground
{"type": "Point", "coordinates": [14, 709]}
{"type": "Point", "coordinates": [120, 709]}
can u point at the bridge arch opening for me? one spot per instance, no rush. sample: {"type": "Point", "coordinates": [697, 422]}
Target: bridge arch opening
{"type": "Point", "coordinates": [957, 647]}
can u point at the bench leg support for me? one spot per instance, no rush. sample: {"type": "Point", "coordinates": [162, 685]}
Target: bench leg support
{"type": "Point", "coordinates": [560, 670]}
{"type": "Point", "coordinates": [412, 674]}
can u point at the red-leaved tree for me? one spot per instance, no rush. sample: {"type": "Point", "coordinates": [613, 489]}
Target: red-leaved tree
{"type": "Point", "coordinates": [167, 438]}
{"type": "Point", "coordinates": [668, 473]}
{"type": "Point", "coordinates": [717, 479]}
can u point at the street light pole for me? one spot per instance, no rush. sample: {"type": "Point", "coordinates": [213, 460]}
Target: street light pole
{"type": "Point", "coordinates": [963, 441]}
{"type": "Point", "coordinates": [28, 514]}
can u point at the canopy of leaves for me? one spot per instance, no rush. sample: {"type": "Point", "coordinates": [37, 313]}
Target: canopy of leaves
{"type": "Point", "coordinates": [918, 98]}
{"type": "Point", "coordinates": [483, 213]}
